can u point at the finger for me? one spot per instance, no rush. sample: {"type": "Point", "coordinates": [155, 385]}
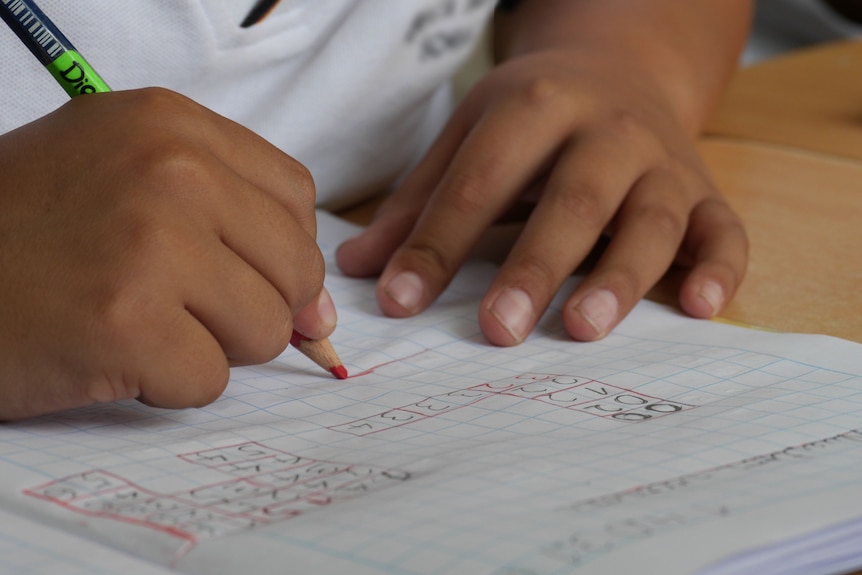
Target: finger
{"type": "Point", "coordinates": [191, 371]}
{"type": "Point", "coordinates": [147, 344]}
{"type": "Point", "coordinates": [283, 254]}
{"type": "Point", "coordinates": [199, 311]}
{"type": "Point", "coordinates": [367, 254]}
{"type": "Point", "coordinates": [651, 226]}
{"type": "Point", "coordinates": [719, 247]}
{"type": "Point", "coordinates": [254, 225]}
{"type": "Point", "coordinates": [587, 184]}
{"type": "Point", "coordinates": [243, 311]}
{"type": "Point", "coordinates": [270, 170]}
{"type": "Point", "coordinates": [317, 320]}
{"type": "Point", "coordinates": [250, 156]}
{"type": "Point", "coordinates": [190, 300]}
{"type": "Point", "coordinates": [505, 151]}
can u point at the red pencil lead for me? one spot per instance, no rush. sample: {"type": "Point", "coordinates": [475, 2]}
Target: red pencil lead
{"type": "Point", "coordinates": [321, 352]}
{"type": "Point", "coordinates": [339, 371]}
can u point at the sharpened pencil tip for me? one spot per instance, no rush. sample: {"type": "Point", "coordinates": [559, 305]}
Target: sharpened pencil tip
{"type": "Point", "coordinates": [339, 371]}
{"type": "Point", "coordinates": [320, 351]}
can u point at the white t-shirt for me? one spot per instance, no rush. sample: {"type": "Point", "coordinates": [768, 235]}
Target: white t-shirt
{"type": "Point", "coordinates": [353, 89]}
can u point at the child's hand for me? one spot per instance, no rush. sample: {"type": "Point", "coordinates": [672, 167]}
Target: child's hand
{"type": "Point", "coordinates": [146, 244]}
{"type": "Point", "coordinates": [600, 150]}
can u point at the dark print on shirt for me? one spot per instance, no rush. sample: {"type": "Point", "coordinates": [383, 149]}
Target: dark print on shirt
{"type": "Point", "coordinates": [444, 27]}
{"type": "Point", "coordinates": [260, 10]}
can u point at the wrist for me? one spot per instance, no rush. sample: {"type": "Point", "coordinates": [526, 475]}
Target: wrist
{"type": "Point", "coordinates": [686, 50]}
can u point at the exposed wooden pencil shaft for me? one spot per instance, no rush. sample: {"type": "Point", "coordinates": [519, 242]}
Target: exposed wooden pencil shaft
{"type": "Point", "coordinates": [321, 352]}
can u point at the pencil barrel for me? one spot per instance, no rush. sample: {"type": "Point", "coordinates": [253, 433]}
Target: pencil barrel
{"type": "Point", "coordinates": [75, 75]}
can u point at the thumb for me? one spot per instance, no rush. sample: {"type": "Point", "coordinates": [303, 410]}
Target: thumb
{"type": "Point", "coordinates": [317, 320]}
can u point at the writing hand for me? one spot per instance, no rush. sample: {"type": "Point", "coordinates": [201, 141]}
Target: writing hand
{"type": "Point", "coordinates": [147, 244]}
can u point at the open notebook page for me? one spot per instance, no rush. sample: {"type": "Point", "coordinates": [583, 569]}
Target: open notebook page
{"type": "Point", "coordinates": [673, 443]}
{"type": "Point", "coordinates": [30, 548]}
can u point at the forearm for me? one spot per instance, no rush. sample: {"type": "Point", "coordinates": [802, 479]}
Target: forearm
{"type": "Point", "coordinates": [688, 48]}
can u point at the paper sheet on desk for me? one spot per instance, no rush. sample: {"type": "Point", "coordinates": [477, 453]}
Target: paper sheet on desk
{"type": "Point", "coordinates": [671, 445]}
{"type": "Point", "coordinates": [27, 547]}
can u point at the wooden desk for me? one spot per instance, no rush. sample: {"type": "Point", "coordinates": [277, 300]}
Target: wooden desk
{"type": "Point", "coordinates": [810, 99]}
{"type": "Point", "coordinates": [802, 198]}
{"type": "Point", "coordinates": [803, 213]}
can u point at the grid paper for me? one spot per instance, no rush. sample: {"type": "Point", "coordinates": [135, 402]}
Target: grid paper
{"type": "Point", "coordinates": [446, 455]}
{"type": "Point", "coordinates": [28, 548]}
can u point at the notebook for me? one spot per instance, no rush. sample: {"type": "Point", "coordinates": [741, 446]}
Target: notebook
{"type": "Point", "coordinates": [674, 445]}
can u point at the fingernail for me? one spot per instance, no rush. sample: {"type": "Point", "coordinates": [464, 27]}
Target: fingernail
{"type": "Point", "coordinates": [599, 308]}
{"type": "Point", "coordinates": [406, 290]}
{"type": "Point", "coordinates": [326, 310]}
{"type": "Point", "coordinates": [513, 308]}
{"type": "Point", "coordinates": [713, 294]}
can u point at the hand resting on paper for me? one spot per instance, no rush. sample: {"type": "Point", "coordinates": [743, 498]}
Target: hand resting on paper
{"type": "Point", "coordinates": [597, 130]}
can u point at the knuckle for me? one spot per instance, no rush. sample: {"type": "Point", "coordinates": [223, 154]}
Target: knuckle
{"type": "Point", "coordinates": [148, 241]}
{"type": "Point", "coordinates": [627, 282]}
{"type": "Point", "coordinates": [170, 111]}
{"type": "Point", "coordinates": [581, 202]}
{"type": "Point", "coordinates": [627, 129]}
{"type": "Point", "coordinates": [124, 305]}
{"type": "Point", "coordinates": [729, 218]}
{"type": "Point", "coordinates": [167, 161]}
{"type": "Point", "coordinates": [542, 91]}
{"type": "Point", "coordinates": [676, 169]}
{"type": "Point", "coordinates": [172, 166]}
{"type": "Point", "coordinates": [467, 194]}
{"type": "Point", "coordinates": [108, 388]}
{"type": "Point", "coordinates": [313, 269]}
{"type": "Point", "coordinates": [736, 237]}
{"type": "Point", "coordinates": [120, 315]}
{"type": "Point", "coordinates": [431, 257]}
{"type": "Point", "coordinates": [539, 270]}
{"type": "Point", "coordinates": [737, 229]}
{"type": "Point", "coordinates": [307, 263]}
{"type": "Point", "coordinates": [624, 124]}
{"type": "Point", "coordinates": [663, 221]}
{"type": "Point", "coordinates": [302, 285]}
{"type": "Point", "coordinates": [317, 270]}
{"type": "Point", "coordinates": [156, 101]}
{"type": "Point", "coordinates": [272, 336]}
{"type": "Point", "coordinates": [299, 193]}
{"type": "Point", "coordinates": [303, 183]}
